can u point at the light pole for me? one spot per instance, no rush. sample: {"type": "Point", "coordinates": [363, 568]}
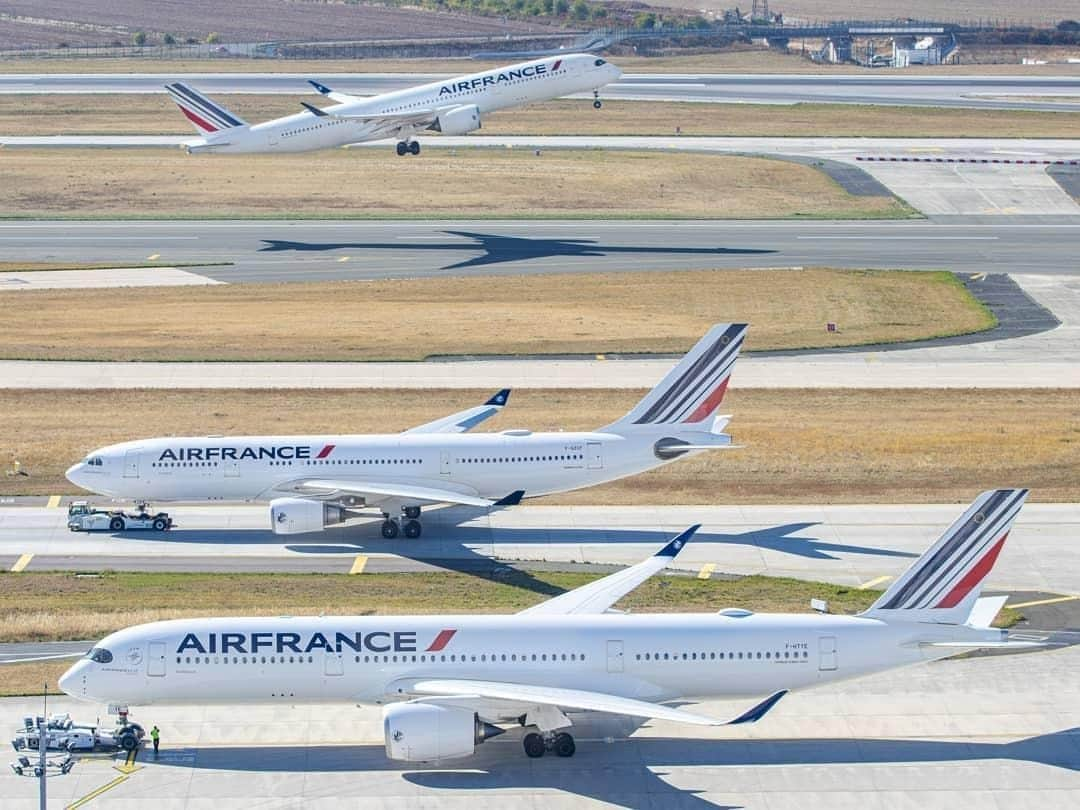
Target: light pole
{"type": "Point", "coordinates": [43, 747]}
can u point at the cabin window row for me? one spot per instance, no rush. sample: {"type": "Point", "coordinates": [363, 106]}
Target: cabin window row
{"type": "Point", "coordinates": [243, 659]}
{"type": "Point", "coordinates": [767, 655]}
{"type": "Point", "coordinates": [517, 459]}
{"type": "Point", "coordinates": [482, 658]}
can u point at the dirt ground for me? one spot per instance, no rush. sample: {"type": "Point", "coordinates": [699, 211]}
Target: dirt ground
{"type": "Point", "coordinates": [359, 183]}
{"type": "Point", "coordinates": [797, 446]}
{"type": "Point", "coordinates": [117, 114]}
{"type": "Point", "coordinates": [529, 314]}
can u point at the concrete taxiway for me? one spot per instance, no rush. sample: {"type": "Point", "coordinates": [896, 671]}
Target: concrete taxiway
{"type": "Point", "coordinates": [983, 92]}
{"type": "Point", "coordinates": [985, 733]}
{"type": "Point", "coordinates": [846, 544]}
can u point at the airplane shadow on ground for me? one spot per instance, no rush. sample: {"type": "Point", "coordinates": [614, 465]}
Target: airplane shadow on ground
{"type": "Point", "coordinates": [495, 249]}
{"type": "Point", "coordinates": [627, 774]}
{"type": "Point", "coordinates": [471, 549]}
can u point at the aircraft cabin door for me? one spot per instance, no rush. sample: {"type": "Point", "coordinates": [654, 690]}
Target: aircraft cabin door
{"type": "Point", "coordinates": [594, 455]}
{"type": "Point", "coordinates": [334, 664]}
{"type": "Point", "coordinates": [827, 658]}
{"type": "Point", "coordinates": [614, 656]}
{"type": "Point", "coordinates": [444, 462]}
{"type": "Point", "coordinates": [155, 662]}
{"type": "Point", "coordinates": [232, 468]}
{"type": "Point", "coordinates": [131, 464]}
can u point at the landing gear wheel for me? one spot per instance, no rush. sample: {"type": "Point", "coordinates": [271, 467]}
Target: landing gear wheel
{"type": "Point", "coordinates": [389, 529]}
{"type": "Point", "coordinates": [160, 524]}
{"type": "Point", "coordinates": [411, 512]}
{"type": "Point", "coordinates": [534, 745]}
{"type": "Point", "coordinates": [564, 745]}
{"type": "Point", "coordinates": [597, 104]}
{"type": "Point", "coordinates": [402, 148]}
{"type": "Point", "coordinates": [116, 524]}
{"type": "Point", "coordinates": [414, 147]}
{"type": "Point", "coordinates": [413, 529]}
{"type": "Point", "coordinates": [128, 741]}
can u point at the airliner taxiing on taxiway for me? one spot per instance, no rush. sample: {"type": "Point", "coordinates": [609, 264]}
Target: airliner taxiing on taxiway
{"type": "Point", "coordinates": [312, 482]}
{"type": "Point", "coordinates": [453, 107]}
{"type": "Point", "coordinates": [447, 683]}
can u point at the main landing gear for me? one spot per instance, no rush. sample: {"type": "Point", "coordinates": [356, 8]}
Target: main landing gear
{"type": "Point", "coordinates": [409, 147]}
{"type": "Point", "coordinates": [536, 744]}
{"type": "Point", "coordinates": [409, 523]}
{"type": "Point", "coordinates": [596, 99]}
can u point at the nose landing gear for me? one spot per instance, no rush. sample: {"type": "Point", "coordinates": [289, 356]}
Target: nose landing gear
{"type": "Point", "coordinates": [596, 100]}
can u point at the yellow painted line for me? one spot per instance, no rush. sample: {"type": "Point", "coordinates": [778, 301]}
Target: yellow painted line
{"type": "Point", "coordinates": [153, 256]}
{"type": "Point", "coordinates": [129, 766]}
{"type": "Point", "coordinates": [54, 502]}
{"type": "Point", "coordinates": [873, 582]}
{"type": "Point", "coordinates": [89, 797]}
{"type": "Point", "coordinates": [358, 564]}
{"type": "Point", "coordinates": [706, 570]}
{"type": "Point", "coordinates": [600, 357]}
{"type": "Point", "coordinates": [21, 563]}
{"type": "Point", "coordinates": [343, 259]}
{"type": "Point", "coordinates": [1053, 601]}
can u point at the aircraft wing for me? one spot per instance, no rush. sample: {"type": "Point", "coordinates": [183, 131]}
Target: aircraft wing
{"type": "Point", "coordinates": [414, 118]}
{"type": "Point", "coordinates": [333, 95]}
{"type": "Point", "coordinates": [409, 492]}
{"type": "Point", "coordinates": [598, 596]}
{"type": "Point", "coordinates": [526, 695]}
{"type": "Point", "coordinates": [467, 419]}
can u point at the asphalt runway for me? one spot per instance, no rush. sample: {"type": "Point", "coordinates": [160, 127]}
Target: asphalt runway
{"type": "Point", "coordinates": [982, 92]}
{"type": "Point", "coordinates": [311, 250]}
{"type": "Point", "coordinates": [845, 544]}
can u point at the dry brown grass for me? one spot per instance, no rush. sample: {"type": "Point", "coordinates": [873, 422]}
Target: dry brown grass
{"type": "Point", "coordinates": [733, 60]}
{"type": "Point", "coordinates": [800, 446]}
{"type": "Point", "coordinates": [525, 315]}
{"type": "Point", "coordinates": [466, 183]}
{"type": "Point", "coordinates": [156, 115]}
{"type": "Point", "coordinates": [28, 679]}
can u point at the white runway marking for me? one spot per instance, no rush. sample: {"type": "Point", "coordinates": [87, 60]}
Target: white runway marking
{"type": "Point", "coordinates": [118, 277]}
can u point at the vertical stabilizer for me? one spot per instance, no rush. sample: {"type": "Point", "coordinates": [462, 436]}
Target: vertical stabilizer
{"type": "Point", "coordinates": [944, 583]}
{"type": "Point", "coordinates": [205, 115]}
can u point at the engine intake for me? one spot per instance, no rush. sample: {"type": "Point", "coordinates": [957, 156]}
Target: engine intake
{"type": "Point", "coordinates": [299, 515]}
{"type": "Point", "coordinates": [458, 121]}
{"type": "Point", "coordinates": [427, 732]}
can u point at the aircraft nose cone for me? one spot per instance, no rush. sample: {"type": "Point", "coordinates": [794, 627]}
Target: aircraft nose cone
{"type": "Point", "coordinates": [70, 680]}
{"type": "Point", "coordinates": [74, 474]}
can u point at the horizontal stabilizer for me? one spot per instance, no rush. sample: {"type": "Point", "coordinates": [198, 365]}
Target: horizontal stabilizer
{"type": "Point", "coordinates": [513, 499]}
{"type": "Point", "coordinates": [986, 610]}
{"type": "Point", "coordinates": [311, 108]}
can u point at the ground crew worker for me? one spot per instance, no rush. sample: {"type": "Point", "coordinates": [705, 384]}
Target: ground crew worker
{"type": "Point", "coordinates": [155, 735]}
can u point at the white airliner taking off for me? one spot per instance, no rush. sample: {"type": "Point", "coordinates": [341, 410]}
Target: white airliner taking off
{"type": "Point", "coordinates": [452, 107]}
{"type": "Point", "coordinates": [447, 682]}
{"type": "Point", "coordinates": [312, 482]}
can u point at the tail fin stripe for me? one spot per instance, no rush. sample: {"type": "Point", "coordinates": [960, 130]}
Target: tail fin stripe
{"type": "Point", "coordinates": [956, 548]}
{"type": "Point", "coordinates": [726, 346]}
{"type": "Point", "coordinates": [973, 577]}
{"type": "Point", "coordinates": [970, 554]}
{"type": "Point", "coordinates": [206, 106]}
{"type": "Point", "coordinates": [191, 108]}
{"type": "Point", "coordinates": [197, 121]}
{"type": "Point", "coordinates": [704, 388]}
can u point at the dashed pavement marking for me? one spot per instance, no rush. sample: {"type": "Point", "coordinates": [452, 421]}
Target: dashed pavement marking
{"type": "Point", "coordinates": [706, 570]}
{"type": "Point", "coordinates": [21, 563]}
{"type": "Point", "coordinates": [875, 581]}
{"type": "Point", "coordinates": [54, 502]}
{"type": "Point", "coordinates": [1052, 601]}
{"type": "Point", "coordinates": [358, 564]}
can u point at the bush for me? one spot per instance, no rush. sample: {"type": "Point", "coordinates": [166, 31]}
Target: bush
{"type": "Point", "coordinates": [580, 10]}
{"type": "Point", "coordinates": [213, 38]}
{"type": "Point", "coordinates": [169, 39]}
{"type": "Point", "coordinates": [138, 38]}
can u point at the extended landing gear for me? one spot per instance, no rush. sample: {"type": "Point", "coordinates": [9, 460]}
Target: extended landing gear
{"type": "Point", "coordinates": [596, 100]}
{"type": "Point", "coordinates": [536, 745]}
{"type": "Point", "coordinates": [409, 524]}
{"type": "Point", "coordinates": [408, 148]}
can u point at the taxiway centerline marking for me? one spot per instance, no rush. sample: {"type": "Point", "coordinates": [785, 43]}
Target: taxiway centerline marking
{"type": "Point", "coordinates": [1055, 600]}
{"type": "Point", "coordinates": [358, 564]}
{"type": "Point", "coordinates": [54, 502]}
{"type": "Point", "coordinates": [706, 570]}
{"type": "Point", "coordinates": [21, 563]}
{"type": "Point", "coordinates": [89, 797]}
{"type": "Point", "coordinates": [875, 581]}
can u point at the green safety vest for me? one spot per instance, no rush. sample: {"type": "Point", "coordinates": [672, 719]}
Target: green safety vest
{"type": "Point", "coordinates": [154, 733]}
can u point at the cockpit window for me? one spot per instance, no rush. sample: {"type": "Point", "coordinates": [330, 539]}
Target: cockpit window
{"type": "Point", "coordinates": [599, 62]}
{"type": "Point", "coordinates": [94, 461]}
{"type": "Point", "coordinates": [99, 655]}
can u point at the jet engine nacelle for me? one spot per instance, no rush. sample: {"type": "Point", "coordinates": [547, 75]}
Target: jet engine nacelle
{"type": "Point", "coordinates": [298, 515]}
{"type": "Point", "coordinates": [458, 121]}
{"type": "Point", "coordinates": [425, 732]}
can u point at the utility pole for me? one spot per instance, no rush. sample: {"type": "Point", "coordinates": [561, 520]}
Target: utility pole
{"type": "Point", "coordinates": [43, 745]}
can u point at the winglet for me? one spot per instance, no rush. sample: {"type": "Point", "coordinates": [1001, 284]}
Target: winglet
{"type": "Point", "coordinates": [500, 398]}
{"type": "Point", "coordinates": [311, 108]}
{"type": "Point", "coordinates": [759, 711]}
{"type": "Point", "coordinates": [322, 88]}
{"type": "Point", "coordinates": [676, 545]}
{"type": "Point", "coordinates": [513, 499]}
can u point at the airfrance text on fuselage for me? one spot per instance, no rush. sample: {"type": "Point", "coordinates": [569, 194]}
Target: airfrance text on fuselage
{"type": "Point", "coordinates": [235, 453]}
{"type": "Point", "coordinates": [377, 641]}
{"type": "Point", "coordinates": [498, 78]}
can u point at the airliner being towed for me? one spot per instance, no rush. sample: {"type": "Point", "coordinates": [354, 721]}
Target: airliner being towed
{"type": "Point", "coordinates": [312, 482]}
{"type": "Point", "coordinates": [452, 107]}
{"type": "Point", "coordinates": [448, 682]}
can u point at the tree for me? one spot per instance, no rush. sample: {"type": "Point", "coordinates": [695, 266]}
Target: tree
{"type": "Point", "coordinates": [138, 38]}
{"type": "Point", "coordinates": [561, 7]}
{"type": "Point", "coordinates": [580, 10]}
{"type": "Point", "coordinates": [645, 21]}
{"type": "Point", "coordinates": [169, 39]}
{"type": "Point", "coordinates": [213, 38]}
